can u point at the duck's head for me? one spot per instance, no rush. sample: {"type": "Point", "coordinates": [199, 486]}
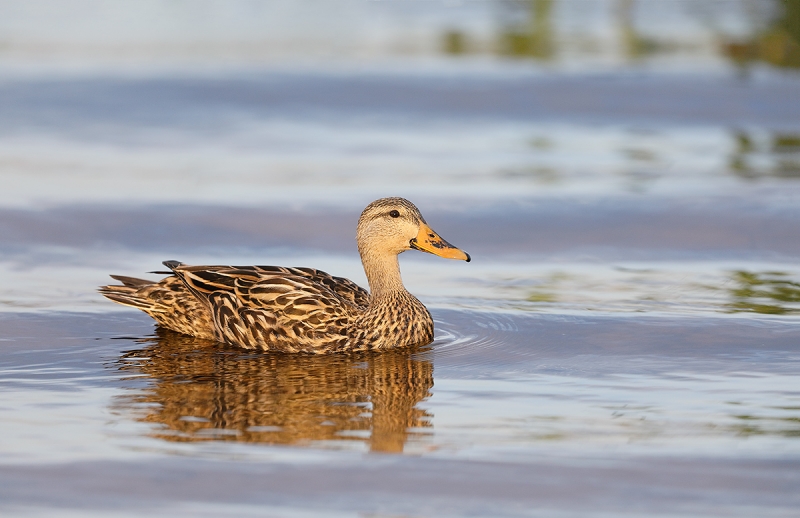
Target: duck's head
{"type": "Point", "coordinates": [394, 225]}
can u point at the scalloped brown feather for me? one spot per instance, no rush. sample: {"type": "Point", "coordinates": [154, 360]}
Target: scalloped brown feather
{"type": "Point", "coordinates": [275, 308]}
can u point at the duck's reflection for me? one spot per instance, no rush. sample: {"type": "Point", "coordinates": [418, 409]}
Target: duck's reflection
{"type": "Point", "coordinates": [204, 391]}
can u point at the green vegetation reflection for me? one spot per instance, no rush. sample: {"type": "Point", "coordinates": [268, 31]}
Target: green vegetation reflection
{"type": "Point", "coordinates": [532, 29]}
{"type": "Point", "coordinates": [758, 156]}
{"type": "Point", "coordinates": [771, 293]}
{"type": "Point", "coordinates": [749, 425]}
{"type": "Point", "coordinates": [204, 391]}
{"type": "Point", "coordinates": [548, 288]}
{"type": "Point", "coordinates": [531, 34]}
{"type": "Point", "coordinates": [776, 43]}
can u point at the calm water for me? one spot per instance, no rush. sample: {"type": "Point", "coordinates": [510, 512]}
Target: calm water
{"type": "Point", "coordinates": [625, 342]}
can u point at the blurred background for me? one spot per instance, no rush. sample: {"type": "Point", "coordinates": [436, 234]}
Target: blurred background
{"type": "Point", "coordinates": [563, 34]}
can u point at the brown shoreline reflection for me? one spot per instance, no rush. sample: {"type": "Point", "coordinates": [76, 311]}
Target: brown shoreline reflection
{"type": "Point", "coordinates": [205, 391]}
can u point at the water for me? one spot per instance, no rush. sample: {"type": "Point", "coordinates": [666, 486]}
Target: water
{"type": "Point", "coordinates": [625, 342]}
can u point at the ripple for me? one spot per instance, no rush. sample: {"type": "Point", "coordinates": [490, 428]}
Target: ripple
{"type": "Point", "coordinates": [485, 343]}
{"type": "Point", "coordinates": [452, 339]}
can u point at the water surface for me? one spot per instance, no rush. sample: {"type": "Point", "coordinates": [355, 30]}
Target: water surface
{"type": "Point", "coordinates": [625, 342]}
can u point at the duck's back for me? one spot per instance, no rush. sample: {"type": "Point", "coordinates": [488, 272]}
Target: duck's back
{"type": "Point", "coordinates": [255, 307]}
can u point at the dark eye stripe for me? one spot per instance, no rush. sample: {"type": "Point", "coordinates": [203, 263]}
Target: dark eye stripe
{"type": "Point", "coordinates": [394, 214]}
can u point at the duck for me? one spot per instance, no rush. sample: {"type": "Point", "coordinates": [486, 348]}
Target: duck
{"type": "Point", "coordinates": [299, 309]}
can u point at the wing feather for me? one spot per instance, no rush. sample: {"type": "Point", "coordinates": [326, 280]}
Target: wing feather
{"type": "Point", "coordinates": [275, 308]}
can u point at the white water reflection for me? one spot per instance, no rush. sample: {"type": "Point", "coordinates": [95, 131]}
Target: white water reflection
{"type": "Point", "coordinates": [279, 162]}
{"type": "Point", "coordinates": [677, 412]}
{"type": "Point", "coordinates": [689, 288]}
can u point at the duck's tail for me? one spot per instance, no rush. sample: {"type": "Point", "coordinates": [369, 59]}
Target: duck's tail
{"type": "Point", "coordinates": [129, 293]}
{"type": "Point", "coordinates": [168, 301]}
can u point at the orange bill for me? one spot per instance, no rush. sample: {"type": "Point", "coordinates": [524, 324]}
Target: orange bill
{"type": "Point", "coordinates": [429, 241]}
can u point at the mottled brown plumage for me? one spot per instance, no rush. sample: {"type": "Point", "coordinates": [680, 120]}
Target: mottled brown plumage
{"type": "Point", "coordinates": [301, 309]}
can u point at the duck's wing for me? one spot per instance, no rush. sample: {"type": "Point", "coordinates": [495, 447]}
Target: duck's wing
{"type": "Point", "coordinates": [345, 288]}
{"type": "Point", "coordinates": [213, 278]}
{"type": "Point", "coordinates": [276, 308]}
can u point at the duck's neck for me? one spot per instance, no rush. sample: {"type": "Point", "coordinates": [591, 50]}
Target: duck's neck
{"type": "Point", "coordinates": [383, 274]}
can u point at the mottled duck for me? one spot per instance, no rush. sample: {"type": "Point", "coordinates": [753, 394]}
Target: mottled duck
{"type": "Point", "coordinates": [275, 308]}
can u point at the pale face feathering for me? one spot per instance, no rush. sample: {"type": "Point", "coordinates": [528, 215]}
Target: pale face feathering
{"type": "Point", "coordinates": [301, 309]}
{"type": "Point", "coordinates": [388, 227]}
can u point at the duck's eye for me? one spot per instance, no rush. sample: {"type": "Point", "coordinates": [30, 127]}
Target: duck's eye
{"type": "Point", "coordinates": [394, 214]}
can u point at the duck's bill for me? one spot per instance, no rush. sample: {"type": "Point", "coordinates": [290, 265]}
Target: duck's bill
{"type": "Point", "coordinates": [429, 241]}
